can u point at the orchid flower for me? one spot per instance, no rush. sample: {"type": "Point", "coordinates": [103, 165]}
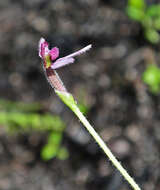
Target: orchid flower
{"type": "Point", "coordinates": [49, 57]}
{"type": "Point", "coordinates": [50, 63]}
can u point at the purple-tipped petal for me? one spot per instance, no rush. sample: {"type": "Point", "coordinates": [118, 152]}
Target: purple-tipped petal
{"type": "Point", "coordinates": [43, 48]}
{"type": "Point", "coordinates": [62, 62]}
{"type": "Point", "coordinates": [79, 52]}
{"type": "Point", "coordinates": [54, 53]}
{"type": "Point", "coordinates": [41, 41]}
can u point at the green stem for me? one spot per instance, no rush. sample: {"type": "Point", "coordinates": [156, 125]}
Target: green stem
{"type": "Point", "coordinates": [105, 148]}
{"type": "Point", "coordinates": [67, 98]}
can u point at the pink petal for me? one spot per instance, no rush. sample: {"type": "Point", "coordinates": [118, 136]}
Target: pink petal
{"type": "Point", "coordinates": [83, 50]}
{"type": "Point", "coordinates": [62, 62]}
{"type": "Point", "coordinates": [54, 53]}
{"type": "Point", "coordinates": [41, 41]}
{"type": "Point", "coordinates": [43, 48]}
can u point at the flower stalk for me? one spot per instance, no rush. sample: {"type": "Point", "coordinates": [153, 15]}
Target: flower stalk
{"type": "Point", "coordinates": [67, 98]}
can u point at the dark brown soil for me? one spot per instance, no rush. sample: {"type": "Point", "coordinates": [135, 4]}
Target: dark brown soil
{"type": "Point", "coordinates": [122, 109]}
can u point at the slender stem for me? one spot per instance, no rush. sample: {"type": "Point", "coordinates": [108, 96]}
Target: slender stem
{"type": "Point", "coordinates": [107, 151]}
{"type": "Point", "coordinates": [68, 99]}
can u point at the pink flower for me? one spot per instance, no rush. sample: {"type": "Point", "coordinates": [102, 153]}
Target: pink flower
{"type": "Point", "coordinates": [49, 56]}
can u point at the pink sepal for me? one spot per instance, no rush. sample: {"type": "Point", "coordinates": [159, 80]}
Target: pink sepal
{"type": "Point", "coordinates": [62, 62]}
{"type": "Point", "coordinates": [54, 53]}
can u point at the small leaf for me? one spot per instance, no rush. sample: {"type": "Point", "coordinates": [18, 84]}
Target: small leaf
{"type": "Point", "coordinates": [152, 35]}
{"type": "Point", "coordinates": [155, 89]}
{"type": "Point", "coordinates": [153, 11]}
{"type": "Point", "coordinates": [135, 14]}
{"type": "Point", "coordinates": [67, 98]}
{"type": "Point", "coordinates": [139, 4]}
{"type": "Point", "coordinates": [62, 153]}
{"type": "Point", "coordinates": [49, 151]}
{"type": "Point", "coordinates": [55, 138]}
{"type": "Point", "coordinates": [83, 108]}
{"type": "Point", "coordinates": [3, 118]}
{"type": "Point", "coordinates": [151, 77]}
{"type": "Point", "coordinates": [157, 23]}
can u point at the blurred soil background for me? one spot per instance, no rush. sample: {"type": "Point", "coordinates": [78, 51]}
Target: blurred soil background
{"type": "Point", "coordinates": [120, 106]}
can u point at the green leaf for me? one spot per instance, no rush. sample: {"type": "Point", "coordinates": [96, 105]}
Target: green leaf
{"type": "Point", "coordinates": [155, 89]}
{"type": "Point", "coordinates": [151, 77]}
{"type": "Point", "coordinates": [135, 14]}
{"type": "Point", "coordinates": [83, 108]}
{"type": "Point", "coordinates": [139, 4]}
{"type": "Point", "coordinates": [147, 22]}
{"type": "Point", "coordinates": [25, 122]}
{"type": "Point", "coordinates": [35, 120]}
{"type": "Point", "coordinates": [157, 23]}
{"type": "Point", "coordinates": [153, 11]}
{"type": "Point", "coordinates": [20, 118]}
{"type": "Point", "coordinates": [62, 153]}
{"type": "Point", "coordinates": [152, 35]}
{"type": "Point", "coordinates": [19, 106]}
{"type": "Point", "coordinates": [49, 151]}
{"type": "Point", "coordinates": [55, 138]}
{"type": "Point", "coordinates": [67, 98]}
{"type": "Point", "coordinates": [52, 148]}
{"type": "Point", "coordinates": [52, 122]}
{"type": "Point", "coordinates": [3, 118]}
